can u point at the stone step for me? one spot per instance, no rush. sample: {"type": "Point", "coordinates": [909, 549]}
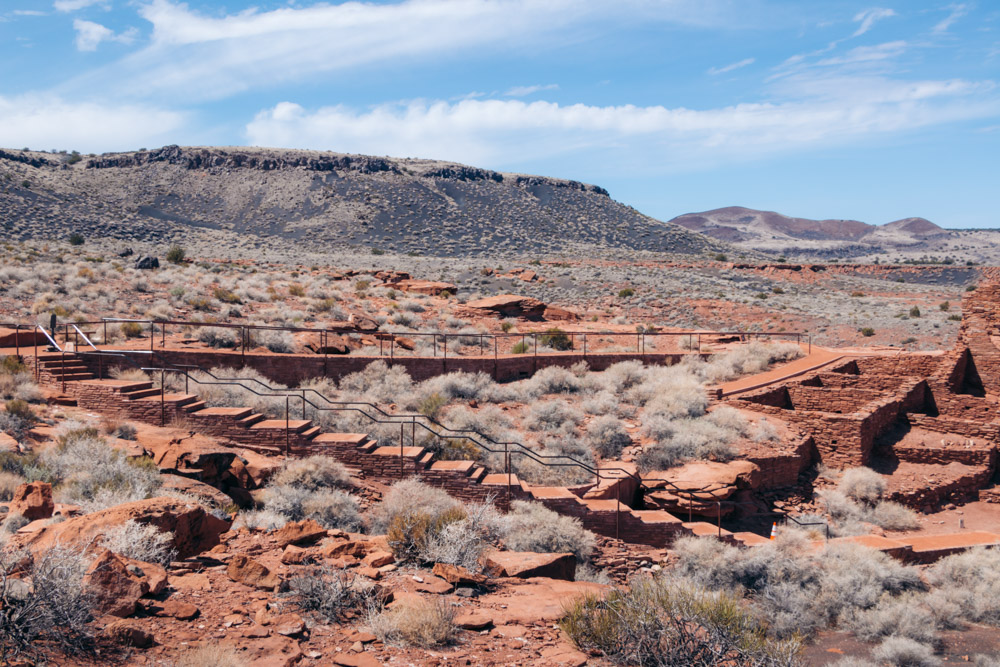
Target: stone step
{"type": "Point", "coordinates": [142, 393]}
{"type": "Point", "coordinates": [311, 433]}
{"type": "Point", "coordinates": [66, 401]}
{"type": "Point", "coordinates": [701, 528]}
{"type": "Point", "coordinates": [173, 399]}
{"type": "Point", "coordinates": [499, 479]}
{"type": "Point", "coordinates": [368, 447]}
{"type": "Point", "coordinates": [195, 407]}
{"type": "Point", "coordinates": [233, 413]}
{"type": "Point", "coordinates": [70, 364]}
{"type": "Point", "coordinates": [293, 425]}
{"type": "Point", "coordinates": [73, 377]}
{"type": "Point", "coordinates": [477, 474]}
{"type": "Point", "coordinates": [407, 452]}
{"type": "Point", "coordinates": [250, 420]}
{"type": "Point", "coordinates": [427, 459]}
{"type": "Point", "coordinates": [750, 539]}
{"type": "Point", "coordinates": [356, 439]}
{"type": "Point", "coordinates": [457, 466]}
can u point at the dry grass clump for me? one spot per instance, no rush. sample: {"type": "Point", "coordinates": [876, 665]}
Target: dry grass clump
{"type": "Point", "coordinates": [898, 651]}
{"type": "Point", "coordinates": [16, 382]}
{"type": "Point", "coordinates": [555, 415]}
{"type": "Point", "coordinates": [331, 508]}
{"type": "Point", "coordinates": [415, 623]}
{"type": "Point", "coordinates": [210, 654]}
{"type": "Point", "coordinates": [265, 520]}
{"type": "Point", "coordinates": [9, 482]}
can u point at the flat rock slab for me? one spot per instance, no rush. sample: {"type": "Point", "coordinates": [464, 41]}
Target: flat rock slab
{"type": "Point", "coordinates": [526, 564]}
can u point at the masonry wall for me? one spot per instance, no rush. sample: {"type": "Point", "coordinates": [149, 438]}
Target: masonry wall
{"type": "Point", "coordinates": [291, 369]}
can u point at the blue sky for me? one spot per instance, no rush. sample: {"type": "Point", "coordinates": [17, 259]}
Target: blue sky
{"type": "Point", "coordinates": [828, 109]}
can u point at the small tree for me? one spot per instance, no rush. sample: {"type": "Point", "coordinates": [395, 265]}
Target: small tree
{"type": "Point", "coordinates": [176, 254]}
{"type": "Point", "coordinates": [76, 238]}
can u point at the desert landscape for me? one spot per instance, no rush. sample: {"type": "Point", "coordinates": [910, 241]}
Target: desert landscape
{"type": "Point", "coordinates": [676, 452]}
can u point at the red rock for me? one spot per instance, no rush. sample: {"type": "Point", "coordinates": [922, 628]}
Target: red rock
{"type": "Point", "coordinates": [288, 625]}
{"type": "Point", "coordinates": [525, 565]}
{"type": "Point", "coordinates": [357, 548]}
{"type": "Point", "coordinates": [457, 575]}
{"type": "Point", "coordinates": [436, 585]}
{"type": "Point", "coordinates": [256, 631]}
{"type": "Point", "coordinates": [370, 572]}
{"type": "Point", "coordinates": [430, 287]}
{"type": "Point", "coordinates": [8, 444]}
{"type": "Point", "coordinates": [191, 582]}
{"type": "Point", "coordinates": [152, 577]}
{"type": "Point", "coordinates": [293, 555]}
{"type": "Point", "coordinates": [273, 651]}
{"type": "Point", "coordinates": [249, 572]}
{"type": "Point", "coordinates": [508, 305]}
{"type": "Point", "coordinates": [379, 558]}
{"type": "Point", "coordinates": [473, 621]}
{"type": "Point", "coordinates": [199, 490]}
{"type": "Point", "coordinates": [557, 313]}
{"type": "Point", "coordinates": [113, 591]}
{"type": "Point", "coordinates": [299, 532]}
{"type": "Point", "coordinates": [194, 529]}
{"type": "Point", "coordinates": [182, 611]}
{"type": "Point", "coordinates": [128, 633]}
{"type": "Point", "coordinates": [33, 501]}
{"type": "Point", "coordinates": [355, 660]}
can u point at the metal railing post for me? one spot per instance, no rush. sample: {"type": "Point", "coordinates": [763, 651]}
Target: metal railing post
{"type": "Point", "coordinates": [105, 332]}
{"type": "Point", "coordinates": [17, 340]}
{"type": "Point", "coordinates": [163, 397]}
{"type": "Point", "coordinates": [718, 511]}
{"type": "Point", "coordinates": [618, 511]}
{"type": "Point", "coordinates": [401, 450]}
{"type": "Point", "coordinates": [34, 336]}
{"type": "Point", "coordinates": [303, 404]}
{"type": "Point", "coordinates": [62, 358]}
{"type": "Point", "coordinates": [506, 458]}
{"type": "Point", "coordinates": [287, 426]}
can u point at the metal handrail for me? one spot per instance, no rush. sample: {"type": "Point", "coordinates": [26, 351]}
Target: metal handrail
{"type": "Point", "coordinates": [414, 419]}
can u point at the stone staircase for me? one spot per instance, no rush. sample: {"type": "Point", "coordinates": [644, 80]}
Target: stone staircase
{"type": "Point", "coordinates": [362, 455]}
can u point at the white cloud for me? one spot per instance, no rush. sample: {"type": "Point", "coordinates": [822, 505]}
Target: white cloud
{"type": "Point", "coordinates": [729, 68]}
{"type": "Point", "coordinates": [28, 12]}
{"type": "Point", "coordinates": [74, 5]}
{"type": "Point", "coordinates": [957, 12]}
{"type": "Point", "coordinates": [45, 121]}
{"type": "Point", "coordinates": [89, 35]}
{"type": "Point", "coordinates": [210, 57]}
{"type": "Point", "coordinates": [524, 91]}
{"type": "Point", "coordinates": [868, 18]}
{"type": "Point", "coordinates": [504, 133]}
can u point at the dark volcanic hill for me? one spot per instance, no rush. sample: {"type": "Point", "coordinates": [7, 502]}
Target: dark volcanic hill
{"type": "Point", "coordinates": [770, 231]}
{"type": "Point", "coordinates": [320, 200]}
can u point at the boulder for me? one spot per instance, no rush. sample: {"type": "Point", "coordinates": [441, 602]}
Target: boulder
{"type": "Point", "coordinates": [146, 263]}
{"type": "Point", "coordinates": [253, 469]}
{"type": "Point", "coordinates": [152, 578]}
{"type": "Point", "coordinates": [194, 529]}
{"type": "Point", "coordinates": [192, 487]}
{"type": "Point", "coordinates": [112, 589]}
{"type": "Point", "coordinates": [196, 456]}
{"type": "Point", "coordinates": [33, 501]}
{"type": "Point", "coordinates": [473, 620]}
{"type": "Point", "coordinates": [526, 564]}
{"type": "Point", "coordinates": [557, 313]}
{"type": "Point", "coordinates": [249, 572]}
{"type": "Point", "coordinates": [329, 344]}
{"type": "Point", "coordinates": [182, 611]}
{"type": "Point", "coordinates": [698, 487]}
{"type": "Point", "coordinates": [507, 305]}
{"type": "Point", "coordinates": [458, 575]}
{"type": "Point", "coordinates": [362, 323]}
{"type": "Point", "coordinates": [299, 532]}
{"type": "Point", "coordinates": [429, 287]}
{"type": "Point", "coordinates": [619, 481]}
{"type": "Point", "coordinates": [8, 444]}
{"type": "Point", "coordinates": [128, 633]}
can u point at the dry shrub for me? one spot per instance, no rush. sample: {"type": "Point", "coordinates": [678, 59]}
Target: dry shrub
{"type": "Point", "coordinates": [967, 587]}
{"type": "Point", "coordinates": [129, 374]}
{"type": "Point", "coordinates": [312, 473]}
{"type": "Point", "coordinates": [657, 622]}
{"type": "Point", "coordinates": [415, 623]}
{"type": "Point", "coordinates": [331, 508]}
{"type": "Point", "coordinates": [409, 534]}
{"type": "Point", "coordinates": [8, 484]}
{"type": "Point", "coordinates": [406, 496]}
{"type": "Point", "coordinates": [330, 592]}
{"type": "Point", "coordinates": [265, 520]}
{"type": "Point", "coordinates": [863, 485]}
{"type": "Point", "coordinates": [140, 542]}
{"type": "Point", "coordinates": [903, 652]}
{"type": "Point", "coordinates": [607, 436]}
{"type": "Point", "coordinates": [534, 527]}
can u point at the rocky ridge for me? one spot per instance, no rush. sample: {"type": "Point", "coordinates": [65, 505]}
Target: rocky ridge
{"type": "Point", "coordinates": [319, 200]}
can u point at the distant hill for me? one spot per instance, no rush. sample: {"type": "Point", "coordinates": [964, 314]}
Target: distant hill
{"type": "Point", "coordinates": [774, 232]}
{"type": "Point", "coordinates": [320, 200]}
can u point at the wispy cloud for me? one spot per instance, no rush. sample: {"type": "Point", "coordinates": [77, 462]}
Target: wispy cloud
{"type": "Point", "coordinates": [74, 5]}
{"type": "Point", "coordinates": [89, 35]}
{"type": "Point", "coordinates": [508, 132]}
{"type": "Point", "coordinates": [42, 121]}
{"type": "Point", "coordinates": [869, 17]}
{"type": "Point", "coordinates": [867, 54]}
{"type": "Point", "coordinates": [28, 12]}
{"type": "Point", "coordinates": [210, 57]}
{"type": "Point", "coordinates": [729, 68]}
{"type": "Point", "coordinates": [957, 11]}
{"type": "Point", "coordinates": [524, 91]}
